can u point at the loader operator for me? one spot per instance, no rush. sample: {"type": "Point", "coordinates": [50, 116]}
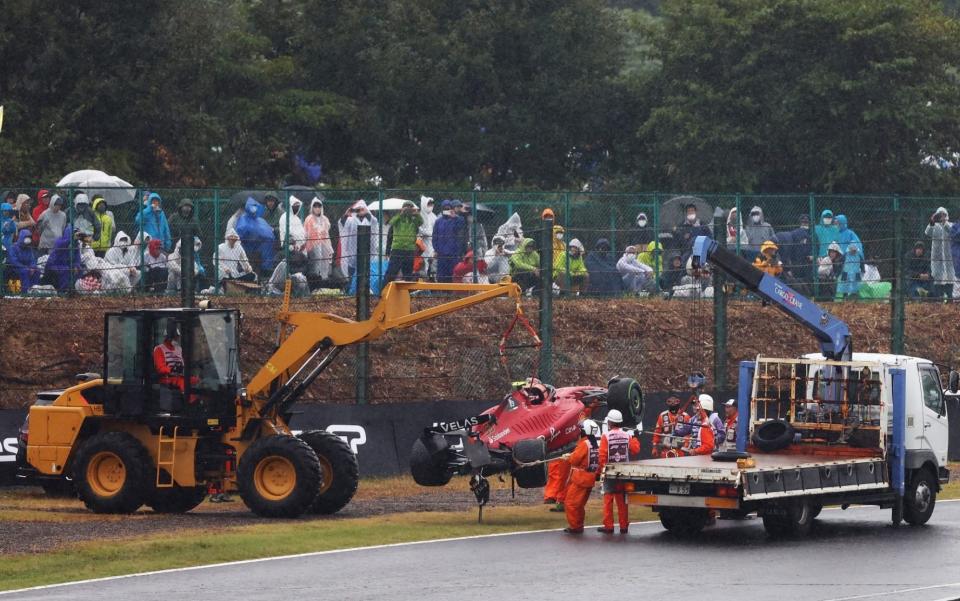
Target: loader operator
{"type": "Point", "coordinates": [665, 435]}
{"type": "Point", "coordinates": [616, 446]}
{"type": "Point", "coordinates": [584, 471]}
{"type": "Point", "coordinates": [168, 358]}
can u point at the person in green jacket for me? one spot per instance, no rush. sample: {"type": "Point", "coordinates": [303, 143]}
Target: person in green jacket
{"type": "Point", "coordinates": [404, 228]}
{"type": "Point", "coordinates": [107, 226]}
{"type": "Point", "coordinates": [575, 280]}
{"type": "Point", "coordinates": [525, 266]}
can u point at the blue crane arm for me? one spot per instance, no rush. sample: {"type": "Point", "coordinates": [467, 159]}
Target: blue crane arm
{"type": "Point", "coordinates": [833, 333]}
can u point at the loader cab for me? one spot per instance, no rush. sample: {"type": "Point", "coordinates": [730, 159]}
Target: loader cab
{"type": "Point", "coordinates": [173, 365]}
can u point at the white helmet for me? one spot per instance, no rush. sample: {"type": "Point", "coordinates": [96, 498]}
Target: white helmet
{"type": "Point", "coordinates": [706, 401]}
{"type": "Point", "coordinates": [614, 417]}
{"type": "Point", "coordinates": [589, 427]}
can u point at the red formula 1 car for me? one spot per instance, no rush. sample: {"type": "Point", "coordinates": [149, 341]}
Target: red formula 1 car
{"type": "Point", "coordinates": [533, 423]}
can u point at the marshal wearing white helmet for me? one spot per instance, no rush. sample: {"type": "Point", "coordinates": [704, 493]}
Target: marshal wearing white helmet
{"type": "Point", "coordinates": [707, 414]}
{"type": "Point", "coordinates": [616, 446]}
{"type": "Point", "coordinates": [584, 472]}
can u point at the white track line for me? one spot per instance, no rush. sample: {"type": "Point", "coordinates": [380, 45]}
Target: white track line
{"type": "Point", "coordinates": [295, 556]}
{"type": "Point", "coordinates": [902, 590]}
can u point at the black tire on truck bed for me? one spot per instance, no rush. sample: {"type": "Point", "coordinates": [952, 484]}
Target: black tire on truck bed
{"type": "Point", "coordinates": [773, 435]}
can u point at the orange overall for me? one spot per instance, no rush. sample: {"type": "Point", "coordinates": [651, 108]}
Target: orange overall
{"type": "Point", "coordinates": [557, 475]}
{"type": "Point", "coordinates": [168, 363]}
{"type": "Point", "coordinates": [700, 441]}
{"type": "Point", "coordinates": [663, 433]}
{"type": "Point", "coordinates": [584, 467]}
{"type": "Point", "coordinates": [616, 446]}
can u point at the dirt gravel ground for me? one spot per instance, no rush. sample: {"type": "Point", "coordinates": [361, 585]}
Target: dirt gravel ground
{"type": "Point", "coordinates": [48, 524]}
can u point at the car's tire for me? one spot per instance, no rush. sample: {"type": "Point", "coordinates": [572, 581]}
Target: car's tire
{"type": "Point", "coordinates": [684, 523]}
{"type": "Point", "coordinates": [279, 476]}
{"type": "Point", "coordinates": [795, 520]}
{"type": "Point", "coordinates": [919, 498]}
{"type": "Point", "coordinates": [62, 488]}
{"type": "Point", "coordinates": [112, 473]}
{"type": "Point", "coordinates": [773, 435]}
{"type": "Point", "coordinates": [528, 451]}
{"type": "Point", "coordinates": [340, 472]}
{"type": "Point", "coordinates": [426, 469]}
{"type": "Point", "coordinates": [625, 395]}
{"type": "Point", "coordinates": [177, 499]}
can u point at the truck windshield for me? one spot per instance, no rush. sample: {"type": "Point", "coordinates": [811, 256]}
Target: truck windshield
{"type": "Point", "coordinates": [215, 360]}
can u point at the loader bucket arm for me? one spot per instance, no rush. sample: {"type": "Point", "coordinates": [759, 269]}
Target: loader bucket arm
{"type": "Point", "coordinates": [315, 331]}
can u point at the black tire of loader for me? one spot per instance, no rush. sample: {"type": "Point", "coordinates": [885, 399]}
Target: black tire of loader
{"type": "Point", "coordinates": [138, 469]}
{"type": "Point", "coordinates": [426, 469]}
{"type": "Point", "coordinates": [625, 395]}
{"type": "Point", "coordinates": [527, 451]}
{"type": "Point", "coordinates": [305, 464]}
{"type": "Point", "coordinates": [340, 471]}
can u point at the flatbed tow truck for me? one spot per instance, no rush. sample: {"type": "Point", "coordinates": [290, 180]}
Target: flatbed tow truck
{"type": "Point", "coordinates": [834, 428]}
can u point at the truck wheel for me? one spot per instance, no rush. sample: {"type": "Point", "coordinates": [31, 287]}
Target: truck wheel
{"type": "Point", "coordinates": [815, 509]}
{"type": "Point", "coordinates": [112, 473]}
{"type": "Point", "coordinates": [773, 435]}
{"type": "Point", "coordinates": [60, 489]}
{"type": "Point", "coordinates": [625, 396]}
{"type": "Point", "coordinates": [919, 498]}
{"type": "Point", "coordinates": [426, 469]}
{"type": "Point", "coordinates": [528, 451]}
{"type": "Point", "coordinates": [279, 476]}
{"type": "Point", "coordinates": [792, 519]}
{"type": "Point", "coordinates": [177, 499]}
{"type": "Point", "coordinates": [340, 472]}
{"type": "Point", "coordinates": [684, 523]}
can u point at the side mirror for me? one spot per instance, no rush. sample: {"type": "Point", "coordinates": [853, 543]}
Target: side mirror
{"type": "Point", "coordinates": [953, 384]}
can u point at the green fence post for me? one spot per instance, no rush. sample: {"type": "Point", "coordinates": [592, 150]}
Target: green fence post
{"type": "Point", "coordinates": [657, 252]}
{"type": "Point", "coordinates": [216, 230]}
{"type": "Point", "coordinates": [473, 234]}
{"type": "Point", "coordinates": [363, 310]}
{"type": "Point", "coordinates": [814, 243]}
{"type": "Point", "coordinates": [568, 219]}
{"type": "Point", "coordinates": [719, 310]}
{"type": "Point", "coordinates": [897, 306]}
{"type": "Point", "coordinates": [546, 299]}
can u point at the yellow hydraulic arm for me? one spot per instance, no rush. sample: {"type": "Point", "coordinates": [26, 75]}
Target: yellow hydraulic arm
{"type": "Point", "coordinates": [315, 332]}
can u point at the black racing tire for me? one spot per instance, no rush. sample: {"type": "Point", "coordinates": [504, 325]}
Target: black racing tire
{"type": "Point", "coordinates": [177, 499]}
{"type": "Point", "coordinates": [279, 476]}
{"type": "Point", "coordinates": [773, 435]}
{"type": "Point", "coordinates": [426, 469]}
{"type": "Point", "coordinates": [340, 472]}
{"type": "Point", "coordinates": [62, 488]}
{"type": "Point", "coordinates": [683, 522]}
{"type": "Point", "coordinates": [625, 395]}
{"type": "Point", "coordinates": [729, 455]}
{"type": "Point", "coordinates": [113, 473]}
{"type": "Point", "coordinates": [528, 451]}
{"type": "Point", "coordinates": [794, 519]}
{"type": "Point", "coordinates": [919, 498]}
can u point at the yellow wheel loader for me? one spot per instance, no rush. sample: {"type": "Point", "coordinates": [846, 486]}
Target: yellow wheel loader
{"type": "Point", "coordinates": [148, 433]}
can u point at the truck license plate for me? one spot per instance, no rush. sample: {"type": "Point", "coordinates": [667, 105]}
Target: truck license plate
{"type": "Point", "coordinates": [679, 489]}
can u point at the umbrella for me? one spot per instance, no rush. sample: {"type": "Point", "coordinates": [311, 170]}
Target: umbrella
{"type": "Point", "coordinates": [482, 208]}
{"type": "Point", "coordinates": [113, 189]}
{"type": "Point", "coordinates": [673, 211]}
{"type": "Point", "coordinates": [389, 204]}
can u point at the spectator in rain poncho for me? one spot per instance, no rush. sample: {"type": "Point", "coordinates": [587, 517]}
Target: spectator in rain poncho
{"type": "Point", "coordinates": [232, 262]}
{"type": "Point", "coordinates": [852, 273]}
{"type": "Point", "coordinates": [84, 219]}
{"type": "Point", "coordinates": [941, 259]}
{"type": "Point", "coordinates": [298, 234]}
{"type": "Point", "coordinates": [511, 232]}
{"type": "Point", "coordinates": [955, 248]}
{"type": "Point", "coordinates": [463, 271]}
{"type": "Point", "coordinates": [271, 212]}
{"type": "Point", "coordinates": [758, 231]}
{"type": "Point", "coordinates": [184, 218]}
{"type": "Point", "coordinates": [152, 220]}
{"type": "Point", "coordinates": [358, 215]}
{"type": "Point", "coordinates": [827, 233]}
{"type": "Point", "coordinates": [426, 235]}
{"type": "Point", "coordinates": [846, 237]}
{"type": "Point", "coordinates": [174, 272]}
{"type": "Point", "coordinates": [105, 218]}
{"type": "Point", "coordinates": [525, 266]}
{"type": "Point", "coordinates": [22, 217]}
{"type": "Point", "coordinates": [8, 227]}
{"type": "Point", "coordinates": [602, 269]}
{"type": "Point", "coordinates": [22, 261]}
{"type": "Point", "coordinates": [318, 248]}
{"type": "Point", "coordinates": [673, 272]}
{"type": "Point", "coordinates": [126, 254]}
{"type": "Point", "coordinates": [156, 266]}
{"type": "Point", "coordinates": [830, 271]}
{"type": "Point", "coordinates": [637, 277]}
{"type": "Point", "coordinates": [257, 236]}
{"type": "Point", "coordinates": [735, 232]}
{"type": "Point", "coordinates": [43, 203]}
{"type": "Point", "coordinates": [651, 256]}
{"type": "Point", "coordinates": [51, 223]}
{"type": "Point", "coordinates": [696, 284]}
{"type": "Point", "coordinates": [572, 259]}
{"type": "Point", "coordinates": [644, 233]}
{"type": "Point", "coordinates": [113, 277]}
{"type": "Point", "coordinates": [297, 274]}
{"type": "Point", "coordinates": [473, 224]}
{"type": "Point", "coordinates": [404, 227]}
{"type": "Point", "coordinates": [449, 241]}
{"type": "Point", "coordinates": [64, 263]}
{"type": "Point", "coordinates": [497, 260]}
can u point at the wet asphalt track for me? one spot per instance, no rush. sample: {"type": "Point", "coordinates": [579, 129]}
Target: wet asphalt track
{"type": "Point", "coordinates": [853, 554]}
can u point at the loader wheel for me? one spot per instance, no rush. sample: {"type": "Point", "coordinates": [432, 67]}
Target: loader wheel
{"type": "Point", "coordinates": [279, 476]}
{"type": "Point", "coordinates": [113, 473]}
{"type": "Point", "coordinates": [177, 499]}
{"type": "Point", "coordinates": [425, 468]}
{"type": "Point", "coordinates": [340, 472]}
{"type": "Point", "coordinates": [625, 396]}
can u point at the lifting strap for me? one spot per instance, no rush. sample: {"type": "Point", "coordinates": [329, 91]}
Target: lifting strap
{"type": "Point", "coordinates": [521, 318]}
